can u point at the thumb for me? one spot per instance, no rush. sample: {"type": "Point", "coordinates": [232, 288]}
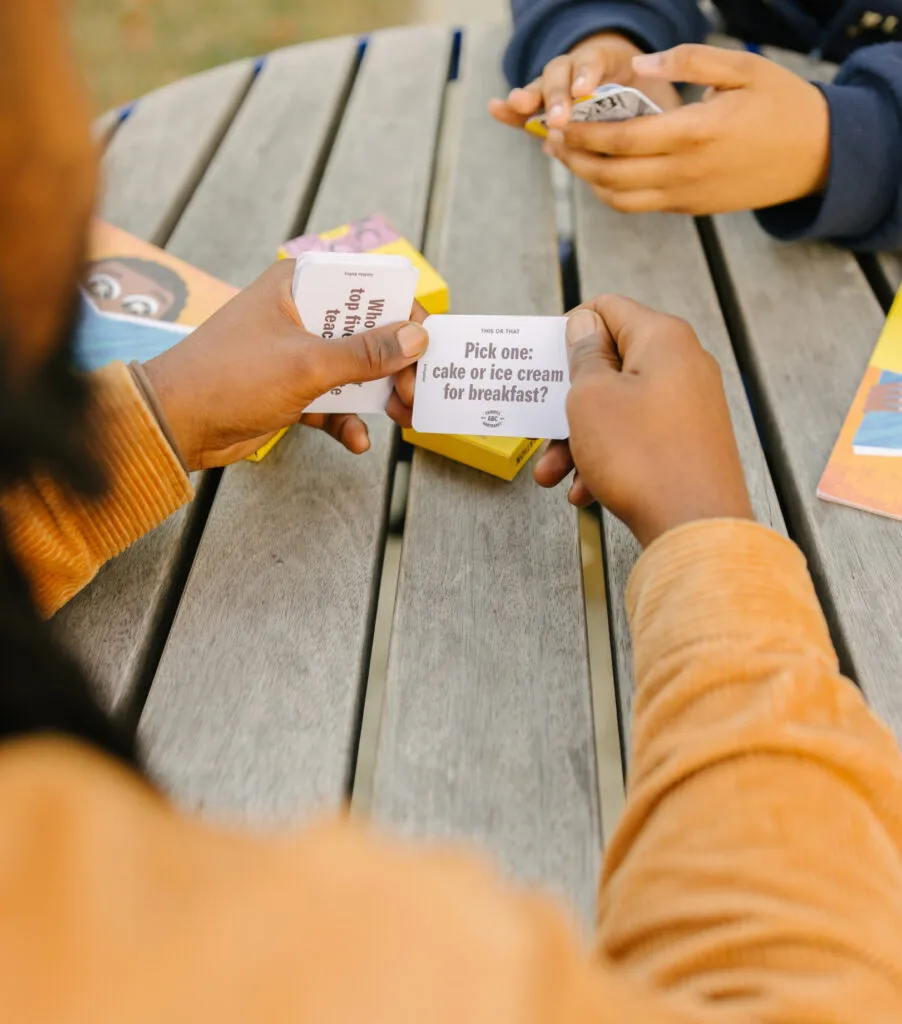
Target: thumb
{"type": "Point", "coordinates": [590, 347]}
{"type": "Point", "coordinates": [700, 65]}
{"type": "Point", "coordinates": [371, 355]}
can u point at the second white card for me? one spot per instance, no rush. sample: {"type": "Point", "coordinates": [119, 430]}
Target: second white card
{"type": "Point", "coordinates": [499, 376]}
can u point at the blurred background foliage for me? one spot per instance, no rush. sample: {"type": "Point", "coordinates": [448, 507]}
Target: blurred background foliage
{"type": "Point", "coordinates": [128, 47]}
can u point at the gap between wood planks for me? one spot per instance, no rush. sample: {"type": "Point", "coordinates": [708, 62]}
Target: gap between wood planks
{"type": "Point", "coordinates": [605, 713]}
{"type": "Point", "coordinates": [763, 416]}
{"type": "Point", "coordinates": [603, 692]}
{"type": "Point", "coordinates": [105, 129]}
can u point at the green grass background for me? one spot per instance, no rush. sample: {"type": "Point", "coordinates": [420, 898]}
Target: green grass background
{"type": "Point", "coordinates": [128, 47]}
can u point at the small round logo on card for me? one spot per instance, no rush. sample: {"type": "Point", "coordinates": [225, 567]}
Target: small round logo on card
{"type": "Point", "coordinates": [492, 418]}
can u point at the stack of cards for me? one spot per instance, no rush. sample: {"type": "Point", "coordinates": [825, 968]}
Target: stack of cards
{"type": "Point", "coordinates": [608, 103]}
{"type": "Point", "coordinates": [487, 385]}
{"type": "Point", "coordinates": [501, 456]}
{"type": "Point", "coordinates": [339, 294]}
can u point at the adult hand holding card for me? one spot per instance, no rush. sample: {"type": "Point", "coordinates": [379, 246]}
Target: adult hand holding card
{"type": "Point", "coordinates": [341, 294]}
{"type": "Point", "coordinates": [503, 376]}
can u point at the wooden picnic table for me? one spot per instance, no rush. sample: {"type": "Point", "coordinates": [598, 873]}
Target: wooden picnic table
{"type": "Point", "coordinates": [240, 631]}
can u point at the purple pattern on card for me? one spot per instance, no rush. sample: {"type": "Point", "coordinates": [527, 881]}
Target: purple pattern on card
{"type": "Point", "coordinates": [362, 236]}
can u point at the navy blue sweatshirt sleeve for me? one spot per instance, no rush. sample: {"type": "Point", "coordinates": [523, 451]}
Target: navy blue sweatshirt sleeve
{"type": "Point", "coordinates": [862, 204]}
{"type": "Point", "coordinates": [544, 29]}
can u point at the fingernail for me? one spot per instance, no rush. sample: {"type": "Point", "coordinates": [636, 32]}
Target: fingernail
{"type": "Point", "coordinates": [557, 110]}
{"type": "Point", "coordinates": [648, 63]}
{"type": "Point", "coordinates": [412, 339]}
{"type": "Point", "coordinates": [582, 323]}
{"type": "Point", "coordinates": [580, 81]}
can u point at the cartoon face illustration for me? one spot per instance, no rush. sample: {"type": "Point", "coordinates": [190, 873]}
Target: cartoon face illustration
{"type": "Point", "coordinates": [135, 287]}
{"type": "Point", "coordinates": [102, 337]}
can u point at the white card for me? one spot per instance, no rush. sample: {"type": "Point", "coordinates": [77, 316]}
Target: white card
{"type": "Point", "coordinates": [338, 294]}
{"type": "Point", "coordinates": [608, 103]}
{"type": "Point", "coordinates": [496, 376]}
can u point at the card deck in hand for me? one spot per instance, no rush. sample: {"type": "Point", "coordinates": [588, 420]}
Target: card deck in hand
{"type": "Point", "coordinates": [608, 103]}
{"type": "Point", "coordinates": [501, 376]}
{"type": "Point", "coordinates": [339, 294]}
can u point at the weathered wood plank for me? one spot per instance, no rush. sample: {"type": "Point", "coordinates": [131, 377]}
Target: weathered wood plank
{"type": "Point", "coordinates": [267, 168]}
{"type": "Point", "coordinates": [487, 722]}
{"type": "Point", "coordinates": [811, 321]}
{"type": "Point", "coordinates": [151, 165]}
{"type": "Point", "coordinates": [659, 260]}
{"type": "Point", "coordinates": [383, 117]}
{"type": "Point", "coordinates": [164, 147]}
{"type": "Point", "coordinates": [254, 711]}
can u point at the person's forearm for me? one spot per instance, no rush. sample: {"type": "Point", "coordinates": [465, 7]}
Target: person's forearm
{"type": "Point", "coordinates": [60, 540]}
{"type": "Point", "coordinates": [761, 846]}
{"type": "Point", "coordinates": [861, 206]}
{"type": "Point", "coordinates": [544, 29]}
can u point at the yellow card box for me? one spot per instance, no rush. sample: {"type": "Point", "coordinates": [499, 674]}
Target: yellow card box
{"type": "Point", "coordinates": [375, 235]}
{"type": "Point", "coordinates": [500, 456]}
{"type": "Point", "coordinates": [266, 448]}
{"type": "Point", "coordinates": [503, 457]}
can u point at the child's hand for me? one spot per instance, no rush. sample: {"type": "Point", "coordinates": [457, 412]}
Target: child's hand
{"type": "Point", "coordinates": [761, 137]}
{"type": "Point", "coordinates": [650, 431]}
{"type": "Point", "coordinates": [606, 57]}
{"type": "Point", "coordinates": [252, 369]}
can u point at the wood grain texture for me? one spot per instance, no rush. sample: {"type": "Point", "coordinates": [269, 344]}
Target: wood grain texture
{"type": "Point", "coordinates": [266, 170]}
{"type": "Point", "coordinates": [811, 322]}
{"type": "Point", "coordinates": [111, 625]}
{"type": "Point", "coordinates": [487, 727]}
{"type": "Point", "coordinates": [161, 151]}
{"type": "Point", "coordinates": [151, 165]}
{"type": "Point", "coordinates": [255, 708]}
{"type": "Point", "coordinates": [659, 260]}
{"type": "Point", "coordinates": [378, 163]}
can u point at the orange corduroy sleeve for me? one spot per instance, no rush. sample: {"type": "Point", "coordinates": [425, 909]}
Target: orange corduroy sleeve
{"type": "Point", "coordinates": [755, 876]}
{"type": "Point", "coordinates": [758, 865]}
{"type": "Point", "coordinates": [60, 540]}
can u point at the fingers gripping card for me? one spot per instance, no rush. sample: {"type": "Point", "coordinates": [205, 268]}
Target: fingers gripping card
{"type": "Point", "coordinates": [498, 376]}
{"type": "Point", "coordinates": [608, 103]}
{"type": "Point", "coordinates": [340, 294]}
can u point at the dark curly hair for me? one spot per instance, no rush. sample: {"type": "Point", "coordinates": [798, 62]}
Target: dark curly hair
{"type": "Point", "coordinates": [43, 428]}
